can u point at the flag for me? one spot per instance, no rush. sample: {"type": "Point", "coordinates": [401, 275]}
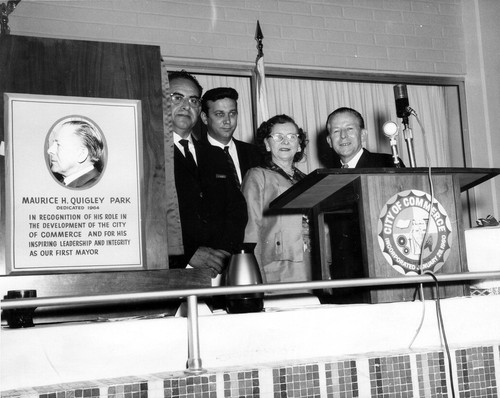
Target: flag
{"type": "Point", "coordinates": [262, 109]}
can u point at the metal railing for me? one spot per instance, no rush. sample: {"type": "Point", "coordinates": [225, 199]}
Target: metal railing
{"type": "Point", "coordinates": [194, 362]}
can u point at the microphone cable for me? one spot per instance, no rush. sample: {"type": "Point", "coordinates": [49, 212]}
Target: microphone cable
{"type": "Point", "coordinates": [420, 289]}
{"type": "Point", "coordinates": [442, 331]}
{"type": "Point", "coordinates": [439, 314]}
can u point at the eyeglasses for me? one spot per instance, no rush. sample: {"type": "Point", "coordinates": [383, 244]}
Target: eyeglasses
{"type": "Point", "coordinates": [280, 137]}
{"type": "Point", "coordinates": [194, 102]}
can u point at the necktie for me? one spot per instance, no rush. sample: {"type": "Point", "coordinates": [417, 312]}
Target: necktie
{"type": "Point", "coordinates": [232, 167]}
{"type": "Point", "coordinates": [188, 155]}
{"type": "Point", "coordinates": [345, 166]}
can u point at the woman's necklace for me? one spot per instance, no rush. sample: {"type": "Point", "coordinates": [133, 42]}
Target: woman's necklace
{"type": "Point", "coordinates": [293, 177]}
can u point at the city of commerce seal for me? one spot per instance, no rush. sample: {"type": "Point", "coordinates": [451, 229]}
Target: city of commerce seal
{"type": "Point", "coordinates": [402, 236]}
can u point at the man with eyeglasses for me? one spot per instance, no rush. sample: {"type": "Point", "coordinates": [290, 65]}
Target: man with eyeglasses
{"type": "Point", "coordinates": [212, 210]}
{"type": "Point", "coordinates": [219, 112]}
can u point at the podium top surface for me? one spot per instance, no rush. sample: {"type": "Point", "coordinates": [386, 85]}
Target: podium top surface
{"type": "Point", "coordinates": [321, 183]}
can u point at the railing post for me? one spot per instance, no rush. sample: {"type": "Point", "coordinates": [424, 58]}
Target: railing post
{"type": "Point", "coordinates": [194, 360]}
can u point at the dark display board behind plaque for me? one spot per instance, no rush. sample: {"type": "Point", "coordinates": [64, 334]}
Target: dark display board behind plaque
{"type": "Point", "coordinates": [72, 68]}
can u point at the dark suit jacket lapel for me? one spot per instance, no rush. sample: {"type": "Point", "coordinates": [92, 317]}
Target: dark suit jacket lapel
{"type": "Point", "coordinates": [205, 163]}
{"type": "Point", "coordinates": [364, 160]}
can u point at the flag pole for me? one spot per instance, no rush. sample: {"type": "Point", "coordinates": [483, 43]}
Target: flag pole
{"type": "Point", "coordinates": [259, 37]}
{"type": "Point", "coordinates": [261, 92]}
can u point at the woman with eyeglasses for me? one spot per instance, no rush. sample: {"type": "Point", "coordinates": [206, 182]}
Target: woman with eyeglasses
{"type": "Point", "coordinates": [282, 249]}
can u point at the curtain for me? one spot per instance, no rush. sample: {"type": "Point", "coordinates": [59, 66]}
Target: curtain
{"type": "Point", "coordinates": [309, 102]}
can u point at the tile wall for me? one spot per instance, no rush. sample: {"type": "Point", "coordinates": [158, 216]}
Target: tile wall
{"type": "Point", "coordinates": [475, 371]}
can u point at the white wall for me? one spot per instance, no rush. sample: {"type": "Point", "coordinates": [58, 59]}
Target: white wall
{"type": "Point", "coordinates": [489, 15]}
{"type": "Point", "coordinates": [422, 36]}
{"type": "Point", "coordinates": [482, 90]}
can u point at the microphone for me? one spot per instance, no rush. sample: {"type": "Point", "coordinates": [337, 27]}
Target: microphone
{"type": "Point", "coordinates": [403, 109]}
{"type": "Point", "coordinates": [391, 131]}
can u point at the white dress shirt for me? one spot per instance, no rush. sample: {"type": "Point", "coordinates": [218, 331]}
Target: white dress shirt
{"type": "Point", "coordinates": [232, 151]}
{"type": "Point", "coordinates": [354, 161]}
{"type": "Point", "coordinates": [177, 138]}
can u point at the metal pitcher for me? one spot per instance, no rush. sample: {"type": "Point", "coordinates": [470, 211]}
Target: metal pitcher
{"type": "Point", "coordinates": [243, 270]}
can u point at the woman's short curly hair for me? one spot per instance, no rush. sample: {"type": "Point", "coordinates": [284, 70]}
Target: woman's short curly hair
{"type": "Point", "coordinates": [265, 130]}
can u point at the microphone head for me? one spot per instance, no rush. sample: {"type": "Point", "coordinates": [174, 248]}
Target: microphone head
{"type": "Point", "coordinates": [402, 103]}
{"type": "Point", "coordinates": [400, 91]}
{"type": "Point", "coordinates": [391, 129]}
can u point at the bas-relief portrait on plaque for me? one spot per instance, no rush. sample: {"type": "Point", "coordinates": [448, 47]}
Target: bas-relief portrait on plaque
{"type": "Point", "coordinates": [76, 152]}
{"type": "Point", "coordinates": [73, 178]}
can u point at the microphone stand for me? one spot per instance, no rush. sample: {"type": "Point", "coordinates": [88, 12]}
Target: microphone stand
{"type": "Point", "coordinates": [394, 147]}
{"type": "Point", "coordinates": [391, 130]}
{"type": "Point", "coordinates": [408, 135]}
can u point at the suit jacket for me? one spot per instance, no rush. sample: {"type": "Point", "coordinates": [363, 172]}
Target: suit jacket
{"type": "Point", "coordinates": [372, 160]}
{"type": "Point", "coordinates": [248, 155]}
{"type": "Point", "coordinates": [85, 180]}
{"type": "Point", "coordinates": [279, 237]}
{"type": "Point", "coordinates": [212, 210]}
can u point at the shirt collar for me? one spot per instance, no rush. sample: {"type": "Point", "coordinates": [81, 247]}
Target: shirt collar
{"type": "Point", "coordinates": [354, 161]}
{"type": "Point", "coordinates": [177, 138]}
{"type": "Point", "coordinates": [214, 142]}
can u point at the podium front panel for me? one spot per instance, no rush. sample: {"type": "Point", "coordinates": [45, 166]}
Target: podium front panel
{"type": "Point", "coordinates": [390, 218]}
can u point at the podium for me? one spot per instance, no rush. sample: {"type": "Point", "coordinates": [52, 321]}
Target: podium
{"type": "Point", "coordinates": [372, 223]}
